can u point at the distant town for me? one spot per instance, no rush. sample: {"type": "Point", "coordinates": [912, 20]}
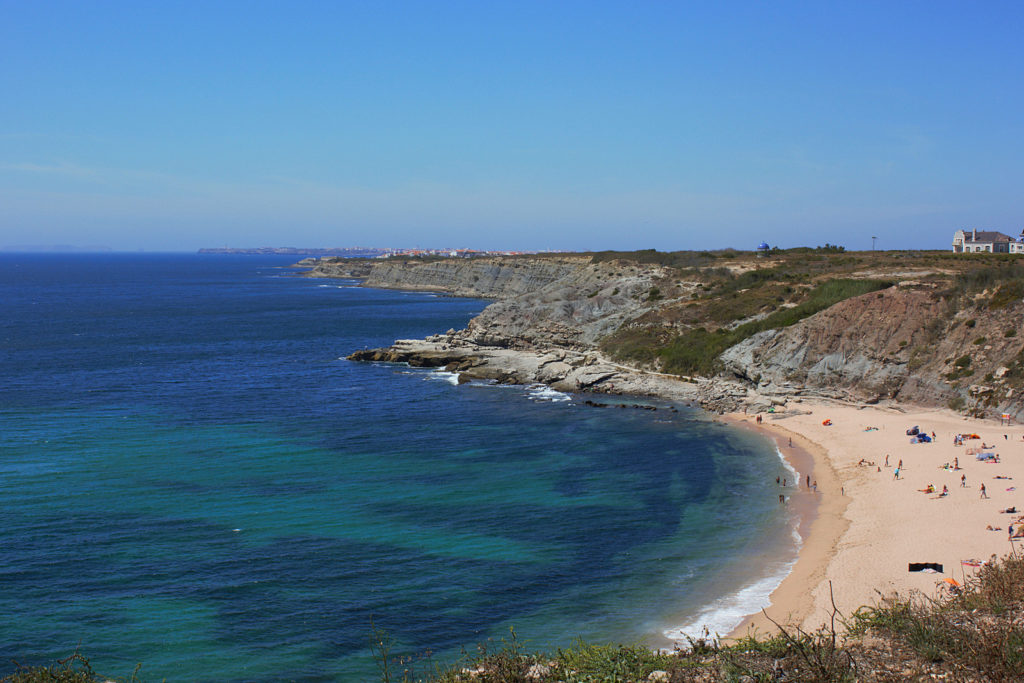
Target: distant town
{"type": "Point", "coordinates": [367, 252]}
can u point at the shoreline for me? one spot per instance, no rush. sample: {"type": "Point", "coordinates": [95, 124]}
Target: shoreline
{"type": "Point", "coordinates": [821, 522]}
{"type": "Point", "coordinates": [871, 526]}
{"type": "Point", "coordinates": [866, 527]}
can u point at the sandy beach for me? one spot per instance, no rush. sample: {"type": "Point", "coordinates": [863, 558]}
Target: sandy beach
{"type": "Point", "coordinates": [868, 525]}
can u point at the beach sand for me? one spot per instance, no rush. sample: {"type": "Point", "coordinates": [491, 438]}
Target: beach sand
{"type": "Point", "coordinates": [868, 526]}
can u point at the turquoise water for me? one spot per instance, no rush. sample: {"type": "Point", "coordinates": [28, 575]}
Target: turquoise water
{"type": "Point", "coordinates": [193, 478]}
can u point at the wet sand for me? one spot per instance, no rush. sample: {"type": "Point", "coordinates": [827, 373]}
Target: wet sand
{"type": "Point", "coordinates": [821, 523]}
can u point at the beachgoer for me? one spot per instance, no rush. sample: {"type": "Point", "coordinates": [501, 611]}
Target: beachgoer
{"type": "Point", "coordinates": [983, 494]}
{"type": "Point", "coordinates": [963, 481]}
{"type": "Point", "coordinates": [956, 463]}
{"type": "Point", "coordinates": [783, 482]}
{"type": "Point", "coordinates": [782, 498]}
{"type": "Point", "coordinates": [790, 442]}
{"type": "Point", "coordinates": [808, 481]}
{"type": "Point", "coordinates": [777, 480]}
{"type": "Point", "coordinates": [815, 485]}
{"type": "Point", "coordinates": [896, 474]}
{"type": "Point", "coordinates": [886, 459]}
{"type": "Point", "coordinates": [945, 490]}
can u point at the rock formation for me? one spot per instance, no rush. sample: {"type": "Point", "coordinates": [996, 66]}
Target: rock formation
{"type": "Point", "coordinates": [907, 343]}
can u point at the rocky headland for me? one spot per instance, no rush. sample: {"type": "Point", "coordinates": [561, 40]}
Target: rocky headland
{"type": "Point", "coordinates": [728, 331]}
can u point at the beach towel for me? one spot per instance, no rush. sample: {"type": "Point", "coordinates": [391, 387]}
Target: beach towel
{"type": "Point", "coordinates": [922, 566]}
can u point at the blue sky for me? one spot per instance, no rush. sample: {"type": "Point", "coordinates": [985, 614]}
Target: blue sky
{"type": "Point", "coordinates": [509, 125]}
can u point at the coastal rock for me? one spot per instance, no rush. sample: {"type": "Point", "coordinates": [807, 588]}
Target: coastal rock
{"type": "Point", "coordinates": [902, 344]}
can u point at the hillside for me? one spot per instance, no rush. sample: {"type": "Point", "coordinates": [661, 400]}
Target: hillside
{"type": "Point", "coordinates": [931, 328]}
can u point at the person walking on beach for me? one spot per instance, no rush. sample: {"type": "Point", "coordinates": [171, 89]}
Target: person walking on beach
{"type": "Point", "coordinates": [886, 459]}
{"type": "Point", "coordinates": [808, 481]}
{"type": "Point", "coordinates": [963, 481]}
{"type": "Point", "coordinates": [899, 465]}
{"type": "Point", "coordinates": [896, 474]}
{"type": "Point", "coordinates": [983, 493]}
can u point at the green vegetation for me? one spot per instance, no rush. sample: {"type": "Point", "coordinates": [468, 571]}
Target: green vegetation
{"type": "Point", "coordinates": [696, 350]}
{"type": "Point", "coordinates": [961, 368]}
{"type": "Point", "coordinates": [1008, 293]}
{"type": "Point", "coordinates": [975, 634]}
{"type": "Point", "coordinates": [73, 669]}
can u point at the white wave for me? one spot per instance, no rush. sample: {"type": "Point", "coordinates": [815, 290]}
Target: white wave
{"type": "Point", "coordinates": [542, 392]}
{"type": "Point", "coordinates": [444, 376]}
{"type": "Point", "coordinates": [728, 612]}
{"type": "Point", "coordinates": [785, 463]}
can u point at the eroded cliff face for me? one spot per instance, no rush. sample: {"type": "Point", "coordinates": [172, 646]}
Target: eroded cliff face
{"type": "Point", "coordinates": [903, 344]}
{"type": "Point", "coordinates": [574, 311]}
{"type": "Point", "coordinates": [906, 343]}
{"type": "Point", "coordinates": [565, 302]}
{"type": "Point", "coordinates": [485, 278]}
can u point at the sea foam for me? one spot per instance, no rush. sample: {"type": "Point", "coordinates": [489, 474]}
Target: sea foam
{"type": "Point", "coordinates": [444, 376]}
{"type": "Point", "coordinates": [542, 392]}
{"type": "Point", "coordinates": [729, 611]}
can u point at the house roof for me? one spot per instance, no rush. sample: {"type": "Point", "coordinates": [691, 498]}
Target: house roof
{"type": "Point", "coordinates": [986, 236]}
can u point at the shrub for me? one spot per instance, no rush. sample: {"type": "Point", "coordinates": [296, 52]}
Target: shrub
{"type": "Point", "coordinates": [696, 351]}
{"type": "Point", "coordinates": [1008, 293]}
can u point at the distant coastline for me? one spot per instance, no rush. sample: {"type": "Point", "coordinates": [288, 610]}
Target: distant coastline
{"type": "Point", "coordinates": [347, 252]}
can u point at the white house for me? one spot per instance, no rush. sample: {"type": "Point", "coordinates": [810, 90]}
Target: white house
{"type": "Point", "coordinates": [989, 241]}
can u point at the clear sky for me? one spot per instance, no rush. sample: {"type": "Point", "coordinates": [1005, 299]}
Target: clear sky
{"type": "Point", "coordinates": [509, 125]}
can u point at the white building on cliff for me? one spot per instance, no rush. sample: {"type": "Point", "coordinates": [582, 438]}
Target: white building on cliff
{"type": "Point", "coordinates": [989, 241]}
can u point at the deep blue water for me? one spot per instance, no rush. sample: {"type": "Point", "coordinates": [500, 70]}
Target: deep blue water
{"type": "Point", "coordinates": [192, 477]}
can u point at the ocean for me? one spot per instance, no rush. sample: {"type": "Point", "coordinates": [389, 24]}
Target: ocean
{"type": "Point", "coordinates": [193, 478]}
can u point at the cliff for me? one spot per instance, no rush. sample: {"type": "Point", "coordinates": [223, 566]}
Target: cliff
{"type": "Point", "coordinates": [924, 329]}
